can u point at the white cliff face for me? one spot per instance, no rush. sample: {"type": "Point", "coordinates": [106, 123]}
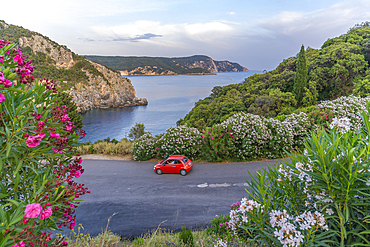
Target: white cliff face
{"type": "Point", "coordinates": [109, 90]}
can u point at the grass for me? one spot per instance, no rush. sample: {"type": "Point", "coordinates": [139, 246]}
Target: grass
{"type": "Point", "coordinates": [122, 147]}
{"type": "Point", "coordinates": [158, 237]}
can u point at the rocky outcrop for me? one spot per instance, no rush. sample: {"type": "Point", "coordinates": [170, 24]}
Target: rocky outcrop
{"type": "Point", "coordinates": [61, 55]}
{"type": "Point", "coordinates": [146, 70]}
{"type": "Point", "coordinates": [109, 89]}
{"type": "Point", "coordinates": [100, 93]}
{"type": "Point", "coordinates": [215, 66]}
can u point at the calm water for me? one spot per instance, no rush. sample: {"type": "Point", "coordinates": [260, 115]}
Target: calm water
{"type": "Point", "coordinates": [170, 98]}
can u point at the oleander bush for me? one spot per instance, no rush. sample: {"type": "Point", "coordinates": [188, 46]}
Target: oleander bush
{"type": "Point", "coordinates": [178, 140]}
{"type": "Point", "coordinates": [38, 143]}
{"type": "Point", "coordinates": [320, 197]}
{"type": "Point", "coordinates": [245, 136]}
{"type": "Point", "coordinates": [144, 147]}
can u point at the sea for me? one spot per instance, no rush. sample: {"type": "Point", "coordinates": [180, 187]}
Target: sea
{"type": "Point", "coordinates": [170, 98]}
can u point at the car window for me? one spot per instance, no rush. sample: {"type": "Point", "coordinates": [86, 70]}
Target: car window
{"type": "Point", "coordinates": [177, 162]}
{"type": "Point", "coordinates": [185, 159]}
{"type": "Point", "coordinates": [171, 162]}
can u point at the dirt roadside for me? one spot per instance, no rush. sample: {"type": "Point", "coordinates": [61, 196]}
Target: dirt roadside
{"type": "Point", "coordinates": [105, 157]}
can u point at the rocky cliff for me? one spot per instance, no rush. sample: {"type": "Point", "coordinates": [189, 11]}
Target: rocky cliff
{"type": "Point", "coordinates": [91, 84]}
{"type": "Point", "coordinates": [99, 93]}
{"type": "Point", "coordinates": [211, 65]}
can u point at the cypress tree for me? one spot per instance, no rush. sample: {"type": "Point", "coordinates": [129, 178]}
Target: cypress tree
{"type": "Point", "coordinates": [301, 74]}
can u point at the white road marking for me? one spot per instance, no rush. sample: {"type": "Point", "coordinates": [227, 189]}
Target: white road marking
{"type": "Point", "coordinates": [204, 185]}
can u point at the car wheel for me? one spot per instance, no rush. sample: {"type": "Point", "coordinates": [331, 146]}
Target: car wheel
{"type": "Point", "coordinates": [159, 171]}
{"type": "Point", "coordinates": [183, 172]}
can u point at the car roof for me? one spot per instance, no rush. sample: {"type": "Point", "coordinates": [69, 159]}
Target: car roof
{"type": "Point", "coordinates": [176, 156]}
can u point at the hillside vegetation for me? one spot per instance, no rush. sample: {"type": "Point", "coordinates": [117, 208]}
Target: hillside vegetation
{"type": "Point", "coordinates": [46, 67]}
{"type": "Point", "coordinates": [198, 64]}
{"type": "Point", "coordinates": [339, 68]}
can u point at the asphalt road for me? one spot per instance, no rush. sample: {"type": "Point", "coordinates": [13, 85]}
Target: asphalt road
{"type": "Point", "coordinates": [143, 200]}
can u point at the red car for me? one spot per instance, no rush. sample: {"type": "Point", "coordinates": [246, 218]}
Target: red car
{"type": "Point", "coordinates": [174, 164]}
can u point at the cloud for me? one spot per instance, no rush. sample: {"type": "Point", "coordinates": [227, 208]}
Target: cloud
{"type": "Point", "coordinates": [138, 37]}
{"type": "Point", "coordinates": [343, 14]}
{"type": "Point", "coordinates": [165, 34]}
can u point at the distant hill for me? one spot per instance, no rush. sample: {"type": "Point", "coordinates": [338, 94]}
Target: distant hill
{"type": "Point", "coordinates": [198, 64]}
{"type": "Point", "coordinates": [91, 84]}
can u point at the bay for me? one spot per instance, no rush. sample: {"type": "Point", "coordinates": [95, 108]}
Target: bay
{"type": "Point", "coordinates": [169, 99]}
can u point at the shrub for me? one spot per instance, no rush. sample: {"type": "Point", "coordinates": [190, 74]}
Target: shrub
{"type": "Point", "coordinates": [179, 140]}
{"type": "Point", "coordinates": [112, 147]}
{"type": "Point", "coordinates": [186, 236]}
{"type": "Point", "coordinates": [144, 147]}
{"type": "Point", "coordinates": [319, 198]}
{"type": "Point", "coordinates": [318, 117]}
{"type": "Point", "coordinates": [217, 144]}
{"type": "Point", "coordinates": [37, 169]}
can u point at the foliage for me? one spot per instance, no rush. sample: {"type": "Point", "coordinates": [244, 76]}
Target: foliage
{"type": "Point", "coordinates": [144, 147]}
{"type": "Point", "coordinates": [178, 140]}
{"type": "Point", "coordinates": [107, 146]}
{"type": "Point", "coordinates": [186, 236]}
{"type": "Point", "coordinates": [339, 68]}
{"type": "Point", "coordinates": [245, 136]}
{"type": "Point", "coordinates": [319, 198]}
{"type": "Point", "coordinates": [300, 78]}
{"type": "Point", "coordinates": [179, 65]}
{"type": "Point", "coordinates": [37, 164]}
{"type": "Point", "coordinates": [66, 99]}
{"type": "Point", "coordinates": [319, 118]}
{"type": "Point", "coordinates": [136, 131]}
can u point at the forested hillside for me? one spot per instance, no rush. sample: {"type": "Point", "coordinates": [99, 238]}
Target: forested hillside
{"type": "Point", "coordinates": [197, 64]}
{"type": "Point", "coordinates": [340, 67]}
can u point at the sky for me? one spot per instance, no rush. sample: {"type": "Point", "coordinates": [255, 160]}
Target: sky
{"type": "Point", "coordinates": [258, 34]}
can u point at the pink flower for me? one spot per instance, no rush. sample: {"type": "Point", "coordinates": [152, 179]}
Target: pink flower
{"type": "Point", "coordinates": [65, 243]}
{"type": "Point", "coordinates": [65, 118]}
{"type": "Point", "coordinates": [7, 83]}
{"type": "Point", "coordinates": [41, 124]}
{"type": "Point", "coordinates": [54, 135]}
{"type": "Point", "coordinates": [32, 141]}
{"type": "Point", "coordinates": [18, 59]}
{"type": "Point", "coordinates": [77, 174]}
{"type": "Point", "coordinates": [20, 244]}
{"type": "Point", "coordinates": [46, 213]}
{"type": "Point", "coordinates": [33, 210]}
{"type": "Point", "coordinates": [2, 98]}
{"type": "Point", "coordinates": [40, 135]}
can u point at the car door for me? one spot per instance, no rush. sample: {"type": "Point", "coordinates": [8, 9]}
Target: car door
{"type": "Point", "coordinates": [170, 166]}
{"type": "Point", "coordinates": [178, 166]}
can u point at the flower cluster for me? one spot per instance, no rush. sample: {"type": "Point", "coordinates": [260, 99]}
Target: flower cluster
{"type": "Point", "coordinates": [239, 215]}
{"type": "Point", "coordinates": [288, 229]}
{"type": "Point", "coordinates": [343, 124]}
{"type": "Point", "coordinates": [40, 164]}
{"type": "Point", "coordinates": [177, 140]}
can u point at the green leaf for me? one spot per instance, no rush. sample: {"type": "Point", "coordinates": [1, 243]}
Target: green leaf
{"type": "Point", "coordinates": [8, 149]}
{"type": "Point", "coordinates": [19, 165]}
{"type": "Point", "coordinates": [15, 90]}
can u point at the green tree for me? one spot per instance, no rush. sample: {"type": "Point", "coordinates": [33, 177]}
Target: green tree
{"type": "Point", "coordinates": [300, 79]}
{"type": "Point", "coordinates": [137, 131]}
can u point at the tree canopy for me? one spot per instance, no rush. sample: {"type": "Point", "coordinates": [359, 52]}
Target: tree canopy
{"type": "Point", "coordinates": [339, 68]}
